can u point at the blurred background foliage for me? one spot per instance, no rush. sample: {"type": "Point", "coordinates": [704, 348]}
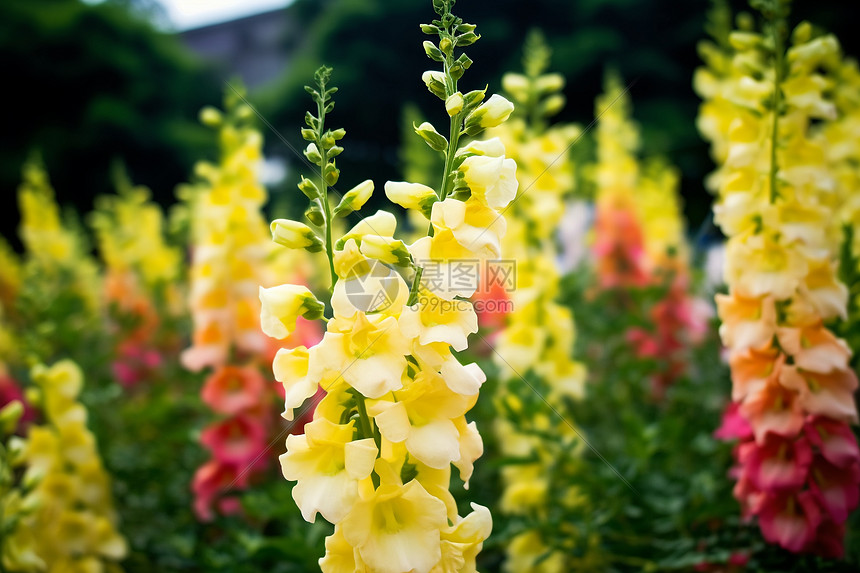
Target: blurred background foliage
{"type": "Point", "coordinates": [90, 83]}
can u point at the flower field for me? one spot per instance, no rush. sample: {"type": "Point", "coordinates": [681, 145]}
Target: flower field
{"type": "Point", "coordinates": [514, 353]}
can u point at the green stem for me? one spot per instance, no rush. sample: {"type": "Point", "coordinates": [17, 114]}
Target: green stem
{"type": "Point", "coordinates": [776, 27]}
{"type": "Point", "coordinates": [329, 248]}
{"type": "Point", "coordinates": [367, 431]}
{"type": "Point", "coordinates": [453, 128]}
{"type": "Point", "coordinates": [453, 141]}
{"type": "Point", "coordinates": [416, 284]}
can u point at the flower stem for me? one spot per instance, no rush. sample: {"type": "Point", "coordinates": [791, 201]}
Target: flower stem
{"type": "Point", "coordinates": [321, 109]}
{"type": "Point", "coordinates": [367, 430]}
{"type": "Point", "coordinates": [776, 30]}
{"type": "Point", "coordinates": [416, 285]}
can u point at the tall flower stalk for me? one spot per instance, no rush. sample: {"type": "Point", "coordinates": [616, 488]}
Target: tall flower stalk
{"type": "Point", "coordinates": [376, 459]}
{"type": "Point", "coordinates": [231, 257]}
{"type": "Point", "coordinates": [141, 274]}
{"type": "Point", "coordinates": [60, 516]}
{"type": "Point", "coordinates": [798, 463]}
{"type": "Point", "coordinates": [537, 336]}
{"type": "Point", "coordinates": [639, 239]}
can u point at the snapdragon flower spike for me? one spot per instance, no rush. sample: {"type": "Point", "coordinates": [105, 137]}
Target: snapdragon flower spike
{"type": "Point", "coordinates": [63, 517]}
{"type": "Point", "coordinates": [376, 460]}
{"type": "Point", "coordinates": [231, 258]}
{"type": "Point", "coordinates": [536, 334]}
{"type": "Point", "coordinates": [798, 464]}
{"type": "Point", "coordinates": [639, 238]}
{"type": "Point", "coordinates": [140, 269]}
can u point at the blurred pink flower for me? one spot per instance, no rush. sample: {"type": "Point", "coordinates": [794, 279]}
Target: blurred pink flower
{"type": "Point", "coordinates": [232, 389]}
{"type": "Point", "coordinates": [835, 440]}
{"type": "Point", "coordinates": [210, 481]}
{"type": "Point", "coordinates": [237, 440]}
{"type": "Point", "coordinates": [734, 425]}
{"type": "Point", "coordinates": [134, 363]}
{"type": "Point", "coordinates": [790, 519]}
{"type": "Point", "coordinates": [835, 488]}
{"type": "Point", "coordinates": [778, 464]}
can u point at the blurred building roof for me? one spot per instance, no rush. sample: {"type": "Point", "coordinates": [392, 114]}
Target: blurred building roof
{"type": "Point", "coordinates": [256, 48]}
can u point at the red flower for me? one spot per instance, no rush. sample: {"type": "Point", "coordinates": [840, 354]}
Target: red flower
{"type": "Point", "coordinates": [231, 389]}
{"type": "Point", "coordinates": [734, 425]}
{"type": "Point", "coordinates": [210, 481]}
{"type": "Point", "coordinates": [834, 440]}
{"type": "Point", "coordinates": [779, 464]}
{"type": "Point", "coordinates": [835, 489]}
{"type": "Point", "coordinates": [238, 440]}
{"type": "Point", "coordinates": [790, 519]}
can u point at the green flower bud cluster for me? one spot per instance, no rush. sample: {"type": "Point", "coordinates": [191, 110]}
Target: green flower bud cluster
{"type": "Point", "coordinates": [469, 114]}
{"type": "Point", "coordinates": [322, 149]}
{"type": "Point", "coordinates": [537, 94]}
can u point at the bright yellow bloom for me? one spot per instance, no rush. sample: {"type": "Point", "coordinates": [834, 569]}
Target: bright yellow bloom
{"type": "Point", "coordinates": [281, 307]}
{"type": "Point", "coordinates": [69, 504]}
{"type": "Point", "coordinates": [232, 255]}
{"type": "Point", "coordinates": [397, 529]}
{"type": "Point", "coordinates": [538, 334]}
{"type": "Point", "coordinates": [378, 457]}
{"type": "Point", "coordinates": [410, 195]}
{"type": "Point", "coordinates": [327, 464]}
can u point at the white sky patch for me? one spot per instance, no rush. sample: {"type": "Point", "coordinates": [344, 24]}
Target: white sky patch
{"type": "Point", "coordinates": [185, 14]}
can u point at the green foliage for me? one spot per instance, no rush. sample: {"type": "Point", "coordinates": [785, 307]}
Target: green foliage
{"type": "Point", "coordinates": [92, 83]}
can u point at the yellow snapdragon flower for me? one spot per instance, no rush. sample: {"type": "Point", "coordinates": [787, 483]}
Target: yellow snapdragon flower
{"type": "Point", "coordinates": [70, 503]}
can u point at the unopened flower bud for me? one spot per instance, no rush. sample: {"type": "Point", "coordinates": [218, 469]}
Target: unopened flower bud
{"type": "Point", "coordinates": [446, 45]}
{"type": "Point", "coordinates": [435, 82]}
{"type": "Point", "coordinates": [315, 215]}
{"type": "Point", "coordinates": [295, 235]}
{"type": "Point", "coordinates": [313, 154]}
{"type": "Point", "coordinates": [309, 188]}
{"type": "Point", "coordinates": [549, 83]}
{"type": "Point", "coordinates": [517, 85]}
{"type": "Point", "coordinates": [434, 139]}
{"type": "Point", "coordinates": [467, 39]}
{"type": "Point", "coordinates": [354, 199]}
{"type": "Point", "coordinates": [283, 304]}
{"type": "Point", "coordinates": [9, 416]}
{"type": "Point", "coordinates": [331, 174]}
{"type": "Point", "coordinates": [411, 195]}
{"type": "Point", "coordinates": [433, 52]}
{"type": "Point", "coordinates": [385, 249]}
{"type": "Point", "coordinates": [454, 104]}
{"type": "Point", "coordinates": [210, 116]}
{"type": "Point", "coordinates": [491, 113]}
{"type": "Point", "coordinates": [552, 105]}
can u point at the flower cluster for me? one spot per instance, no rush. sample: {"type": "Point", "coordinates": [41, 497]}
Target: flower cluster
{"type": "Point", "coordinates": [376, 459]}
{"type": "Point", "coordinates": [141, 270]}
{"type": "Point", "coordinates": [798, 463]}
{"type": "Point", "coordinates": [639, 238]}
{"type": "Point", "coordinates": [230, 242]}
{"type": "Point", "coordinates": [64, 513]}
{"type": "Point", "coordinates": [57, 267]}
{"type": "Point", "coordinates": [230, 260]}
{"type": "Point", "coordinates": [842, 137]}
{"type": "Point", "coordinates": [530, 340]}
{"type": "Point", "coordinates": [619, 242]}
{"type": "Point", "coordinates": [537, 336]}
